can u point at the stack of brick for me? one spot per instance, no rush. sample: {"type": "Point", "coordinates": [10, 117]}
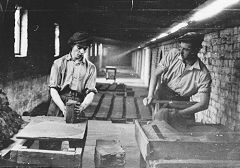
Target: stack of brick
{"type": "Point", "coordinates": [10, 121]}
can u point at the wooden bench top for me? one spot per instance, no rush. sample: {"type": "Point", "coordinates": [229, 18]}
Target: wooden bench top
{"type": "Point", "coordinates": [47, 127]}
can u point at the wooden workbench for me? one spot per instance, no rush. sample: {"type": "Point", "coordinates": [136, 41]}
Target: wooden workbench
{"type": "Point", "coordinates": [200, 146]}
{"type": "Point", "coordinates": [66, 142]}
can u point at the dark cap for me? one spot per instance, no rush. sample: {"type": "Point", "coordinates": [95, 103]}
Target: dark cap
{"type": "Point", "coordinates": [192, 37]}
{"type": "Point", "coordinates": [80, 38]}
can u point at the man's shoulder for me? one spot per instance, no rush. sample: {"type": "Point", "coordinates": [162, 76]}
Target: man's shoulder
{"type": "Point", "coordinates": [203, 66]}
{"type": "Point", "coordinates": [204, 70]}
{"type": "Point", "coordinates": [90, 63]}
{"type": "Point", "coordinates": [60, 59]}
{"type": "Point", "coordinates": [173, 54]}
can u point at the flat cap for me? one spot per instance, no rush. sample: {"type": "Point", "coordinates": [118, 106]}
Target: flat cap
{"type": "Point", "coordinates": [80, 38]}
{"type": "Point", "coordinates": [192, 37]}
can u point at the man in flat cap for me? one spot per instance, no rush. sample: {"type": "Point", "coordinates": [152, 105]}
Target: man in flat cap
{"type": "Point", "coordinates": [183, 75]}
{"type": "Point", "coordinates": [72, 77]}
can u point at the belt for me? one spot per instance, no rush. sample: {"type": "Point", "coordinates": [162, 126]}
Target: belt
{"type": "Point", "coordinates": [71, 93]}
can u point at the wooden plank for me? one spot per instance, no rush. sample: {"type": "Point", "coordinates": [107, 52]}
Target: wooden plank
{"type": "Point", "coordinates": [142, 140]}
{"type": "Point", "coordinates": [117, 112]}
{"type": "Point", "coordinates": [175, 104]}
{"type": "Point", "coordinates": [144, 111]}
{"type": "Point", "coordinates": [131, 111]}
{"type": "Point", "coordinates": [204, 145]}
{"type": "Point", "coordinates": [93, 107]}
{"type": "Point", "coordinates": [51, 158]}
{"type": "Point", "coordinates": [6, 151]}
{"type": "Point", "coordinates": [47, 127]}
{"type": "Point", "coordinates": [104, 109]}
{"type": "Point", "coordinates": [193, 163]}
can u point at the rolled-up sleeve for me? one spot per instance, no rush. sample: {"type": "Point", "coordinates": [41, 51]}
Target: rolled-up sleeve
{"type": "Point", "coordinates": [91, 80]}
{"type": "Point", "coordinates": [205, 82]}
{"type": "Point", "coordinates": [54, 79]}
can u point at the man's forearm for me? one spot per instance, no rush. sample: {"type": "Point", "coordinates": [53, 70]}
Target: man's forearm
{"type": "Point", "coordinates": [200, 106]}
{"type": "Point", "coordinates": [88, 100]}
{"type": "Point", "coordinates": [152, 86]}
{"type": "Point", "coordinates": [57, 99]}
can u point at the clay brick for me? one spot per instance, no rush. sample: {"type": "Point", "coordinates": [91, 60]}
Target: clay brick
{"type": "Point", "coordinates": [109, 154]}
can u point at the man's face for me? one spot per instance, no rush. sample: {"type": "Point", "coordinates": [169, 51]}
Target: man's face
{"type": "Point", "coordinates": [186, 50]}
{"type": "Point", "coordinates": [77, 52]}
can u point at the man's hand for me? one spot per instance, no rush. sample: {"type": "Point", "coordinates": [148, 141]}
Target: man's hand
{"type": "Point", "coordinates": [78, 108]}
{"type": "Point", "coordinates": [64, 111]}
{"type": "Point", "coordinates": [147, 101]}
{"type": "Point", "coordinates": [173, 113]}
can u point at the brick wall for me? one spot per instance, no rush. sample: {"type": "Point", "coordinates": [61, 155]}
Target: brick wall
{"type": "Point", "coordinates": [27, 93]}
{"type": "Point", "coordinates": [221, 54]}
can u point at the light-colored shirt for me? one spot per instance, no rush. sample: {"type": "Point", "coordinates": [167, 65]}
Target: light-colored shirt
{"type": "Point", "coordinates": [78, 75]}
{"type": "Point", "coordinates": [184, 81]}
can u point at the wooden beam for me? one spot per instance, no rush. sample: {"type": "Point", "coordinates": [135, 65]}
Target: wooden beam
{"type": "Point", "coordinates": [131, 111]}
{"type": "Point", "coordinates": [104, 109]}
{"type": "Point", "coordinates": [117, 112]}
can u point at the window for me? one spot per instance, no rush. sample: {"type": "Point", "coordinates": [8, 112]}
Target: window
{"type": "Point", "coordinates": [90, 50]}
{"type": "Point", "coordinates": [95, 49]}
{"type": "Point", "coordinates": [20, 32]}
{"type": "Point", "coordinates": [57, 41]}
{"type": "Point", "coordinates": [100, 50]}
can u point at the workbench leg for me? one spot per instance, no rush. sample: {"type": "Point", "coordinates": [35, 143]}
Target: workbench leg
{"type": "Point", "coordinates": [142, 162]}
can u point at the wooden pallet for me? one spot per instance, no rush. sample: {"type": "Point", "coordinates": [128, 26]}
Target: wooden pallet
{"type": "Point", "coordinates": [50, 142]}
{"type": "Point", "coordinates": [131, 110]}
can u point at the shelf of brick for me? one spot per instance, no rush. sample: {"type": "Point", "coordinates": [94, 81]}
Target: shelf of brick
{"type": "Point", "coordinates": [104, 108]}
{"type": "Point", "coordinates": [144, 111]}
{"type": "Point", "coordinates": [93, 107]}
{"type": "Point", "coordinates": [117, 112]}
{"type": "Point", "coordinates": [131, 111]}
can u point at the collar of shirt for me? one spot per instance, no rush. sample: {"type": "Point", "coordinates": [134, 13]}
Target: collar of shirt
{"type": "Point", "coordinates": [196, 64]}
{"type": "Point", "coordinates": [83, 61]}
